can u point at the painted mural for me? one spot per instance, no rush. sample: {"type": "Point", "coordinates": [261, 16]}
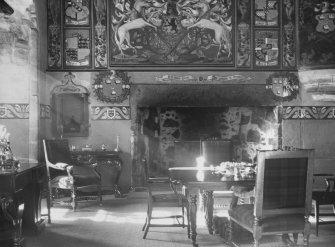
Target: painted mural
{"type": "Point", "coordinates": [171, 32]}
{"type": "Point", "coordinates": [317, 33]}
{"type": "Point", "coordinates": [186, 34]}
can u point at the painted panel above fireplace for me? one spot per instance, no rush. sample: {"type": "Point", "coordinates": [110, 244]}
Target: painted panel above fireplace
{"type": "Point", "coordinates": [173, 34]}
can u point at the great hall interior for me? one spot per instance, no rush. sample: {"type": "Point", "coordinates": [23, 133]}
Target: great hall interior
{"type": "Point", "coordinates": [226, 107]}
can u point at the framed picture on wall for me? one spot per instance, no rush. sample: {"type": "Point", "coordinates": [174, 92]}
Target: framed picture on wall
{"type": "Point", "coordinates": [266, 49]}
{"type": "Point", "coordinates": [171, 33]}
{"type": "Point", "coordinates": [77, 47]}
{"type": "Point", "coordinates": [77, 12]}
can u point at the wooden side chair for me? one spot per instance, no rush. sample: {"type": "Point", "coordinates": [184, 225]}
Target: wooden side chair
{"type": "Point", "coordinates": [82, 180]}
{"type": "Point", "coordinates": [164, 193]}
{"type": "Point", "coordinates": [283, 196]}
{"type": "Point", "coordinates": [159, 199]}
{"type": "Point", "coordinates": [323, 196]}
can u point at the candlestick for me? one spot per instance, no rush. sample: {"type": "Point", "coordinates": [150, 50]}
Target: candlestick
{"type": "Point", "coordinates": [117, 144]}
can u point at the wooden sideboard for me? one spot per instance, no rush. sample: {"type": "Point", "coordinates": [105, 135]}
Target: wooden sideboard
{"type": "Point", "coordinates": [21, 202]}
{"type": "Point", "coordinates": [109, 166]}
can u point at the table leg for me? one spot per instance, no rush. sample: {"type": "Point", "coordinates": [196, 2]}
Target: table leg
{"type": "Point", "coordinates": [193, 217]}
{"type": "Point", "coordinates": [209, 210]}
{"type": "Point", "coordinates": [13, 213]}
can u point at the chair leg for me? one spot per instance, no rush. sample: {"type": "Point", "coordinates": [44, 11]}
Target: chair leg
{"type": "Point", "coordinates": [188, 221]}
{"type": "Point", "coordinates": [74, 199]}
{"type": "Point", "coordinates": [256, 243]}
{"type": "Point", "coordinates": [306, 240]}
{"type": "Point", "coordinates": [183, 214]}
{"type": "Point", "coordinates": [49, 198]}
{"type": "Point", "coordinates": [148, 221]}
{"type": "Point", "coordinates": [100, 195]}
{"type": "Point", "coordinates": [316, 213]}
{"type": "Point", "coordinates": [295, 237]}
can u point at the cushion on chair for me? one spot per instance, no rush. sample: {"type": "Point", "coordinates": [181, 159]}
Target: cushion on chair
{"type": "Point", "coordinates": [62, 182]}
{"type": "Point", "coordinates": [85, 175]}
{"type": "Point", "coordinates": [245, 215]}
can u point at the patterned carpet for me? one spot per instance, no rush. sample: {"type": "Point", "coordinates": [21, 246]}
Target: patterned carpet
{"type": "Point", "coordinates": [118, 223]}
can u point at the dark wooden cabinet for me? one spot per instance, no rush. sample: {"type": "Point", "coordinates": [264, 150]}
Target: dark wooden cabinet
{"type": "Point", "coordinates": [109, 166]}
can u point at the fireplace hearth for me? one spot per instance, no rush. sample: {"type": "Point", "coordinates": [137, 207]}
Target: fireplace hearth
{"type": "Point", "coordinates": [162, 114]}
{"type": "Point", "coordinates": [249, 128]}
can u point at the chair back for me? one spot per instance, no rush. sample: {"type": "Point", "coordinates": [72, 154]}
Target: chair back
{"type": "Point", "coordinates": [216, 151]}
{"type": "Point", "coordinates": [56, 151]}
{"type": "Point", "coordinates": [284, 182]}
{"type": "Point", "coordinates": [185, 153]}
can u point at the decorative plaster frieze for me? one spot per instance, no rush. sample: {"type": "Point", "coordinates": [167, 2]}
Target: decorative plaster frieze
{"type": "Point", "coordinates": [308, 112]}
{"type": "Point", "coordinates": [168, 78]}
{"type": "Point", "coordinates": [14, 111]}
{"type": "Point", "coordinates": [111, 112]}
{"type": "Point", "coordinates": [45, 111]}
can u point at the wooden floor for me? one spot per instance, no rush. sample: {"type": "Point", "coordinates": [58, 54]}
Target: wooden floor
{"type": "Point", "coordinates": [119, 223]}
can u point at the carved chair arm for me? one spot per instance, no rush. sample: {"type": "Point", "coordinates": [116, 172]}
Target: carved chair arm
{"type": "Point", "coordinates": [69, 170]}
{"type": "Point", "coordinates": [59, 165]}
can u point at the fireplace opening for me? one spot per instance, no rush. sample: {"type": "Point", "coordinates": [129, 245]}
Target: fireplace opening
{"type": "Point", "coordinates": [159, 128]}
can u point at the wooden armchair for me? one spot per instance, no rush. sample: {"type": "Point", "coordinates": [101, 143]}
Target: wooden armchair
{"type": "Point", "coordinates": [323, 196]}
{"type": "Point", "coordinates": [81, 180]}
{"type": "Point", "coordinates": [283, 196]}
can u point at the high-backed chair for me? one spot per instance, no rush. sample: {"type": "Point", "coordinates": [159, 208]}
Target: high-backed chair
{"type": "Point", "coordinates": [185, 153]}
{"type": "Point", "coordinates": [164, 193]}
{"type": "Point", "coordinates": [216, 151]}
{"type": "Point", "coordinates": [81, 180]}
{"type": "Point", "coordinates": [283, 196]}
{"type": "Point", "coordinates": [323, 196]}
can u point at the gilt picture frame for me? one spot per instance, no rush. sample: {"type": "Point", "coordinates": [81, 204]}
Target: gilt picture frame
{"type": "Point", "coordinates": [171, 33]}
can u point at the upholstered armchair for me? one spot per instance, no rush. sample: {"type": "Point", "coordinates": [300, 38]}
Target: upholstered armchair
{"type": "Point", "coordinates": [283, 196]}
{"type": "Point", "coordinates": [68, 178]}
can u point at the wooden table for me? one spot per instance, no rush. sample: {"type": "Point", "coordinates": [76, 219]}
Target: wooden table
{"type": "Point", "coordinates": [20, 198]}
{"type": "Point", "coordinates": [195, 180]}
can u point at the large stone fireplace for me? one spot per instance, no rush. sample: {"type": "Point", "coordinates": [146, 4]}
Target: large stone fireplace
{"type": "Point", "coordinates": [247, 115]}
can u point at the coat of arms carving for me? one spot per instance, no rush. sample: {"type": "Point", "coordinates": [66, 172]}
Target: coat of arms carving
{"type": "Point", "coordinates": [325, 15]}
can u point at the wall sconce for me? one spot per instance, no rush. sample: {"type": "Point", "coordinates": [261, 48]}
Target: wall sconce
{"type": "Point", "coordinates": [112, 86]}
